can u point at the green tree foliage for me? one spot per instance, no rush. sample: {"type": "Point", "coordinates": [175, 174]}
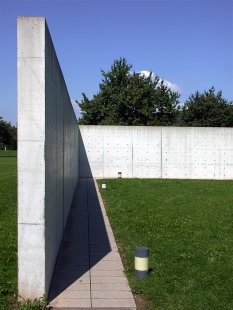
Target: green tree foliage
{"type": "Point", "coordinates": [8, 135]}
{"type": "Point", "coordinates": [208, 109]}
{"type": "Point", "coordinates": [129, 98]}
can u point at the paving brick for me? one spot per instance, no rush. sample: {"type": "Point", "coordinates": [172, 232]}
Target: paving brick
{"type": "Point", "coordinates": [111, 279]}
{"type": "Point", "coordinates": [71, 302]}
{"type": "Point", "coordinates": [102, 238]}
{"type": "Point", "coordinates": [108, 257]}
{"type": "Point", "coordinates": [102, 248]}
{"type": "Point", "coordinates": [70, 263]}
{"type": "Point", "coordinates": [62, 283]}
{"type": "Point", "coordinates": [69, 276]}
{"type": "Point", "coordinates": [113, 303]}
{"type": "Point", "coordinates": [102, 273]}
{"type": "Point", "coordinates": [79, 270]}
{"type": "Point", "coordinates": [108, 265]}
{"type": "Point", "coordinates": [109, 287]}
{"type": "Point", "coordinates": [81, 286]}
{"type": "Point", "coordinates": [74, 246]}
{"type": "Point", "coordinates": [84, 294]}
{"type": "Point", "coordinates": [112, 294]}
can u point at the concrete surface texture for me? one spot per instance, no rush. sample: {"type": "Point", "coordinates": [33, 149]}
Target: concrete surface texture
{"type": "Point", "coordinates": [156, 152]}
{"type": "Point", "coordinates": [47, 156]}
{"type": "Point", "coordinates": [89, 272]}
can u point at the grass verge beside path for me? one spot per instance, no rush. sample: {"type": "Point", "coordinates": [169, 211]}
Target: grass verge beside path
{"type": "Point", "coordinates": [8, 228]}
{"type": "Point", "coordinates": [188, 226]}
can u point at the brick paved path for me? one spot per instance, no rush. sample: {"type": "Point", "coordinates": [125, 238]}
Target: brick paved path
{"type": "Point", "coordinates": [89, 272]}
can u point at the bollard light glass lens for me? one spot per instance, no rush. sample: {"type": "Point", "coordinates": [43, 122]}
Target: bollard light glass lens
{"type": "Point", "coordinates": [141, 263]}
{"type": "Point", "coordinates": [104, 185]}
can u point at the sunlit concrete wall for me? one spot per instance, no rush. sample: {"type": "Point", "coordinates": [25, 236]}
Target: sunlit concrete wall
{"type": "Point", "coordinates": [156, 152]}
{"type": "Point", "coordinates": [47, 156]}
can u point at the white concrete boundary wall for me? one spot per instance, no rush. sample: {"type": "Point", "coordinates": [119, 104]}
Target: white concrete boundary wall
{"type": "Point", "coordinates": [156, 152]}
{"type": "Point", "coordinates": [47, 156]}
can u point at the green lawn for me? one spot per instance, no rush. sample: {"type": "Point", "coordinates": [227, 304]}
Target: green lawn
{"type": "Point", "coordinates": [8, 227]}
{"type": "Point", "coordinates": [188, 226]}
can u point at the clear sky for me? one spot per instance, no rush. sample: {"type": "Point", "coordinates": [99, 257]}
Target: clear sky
{"type": "Point", "coordinates": [188, 43]}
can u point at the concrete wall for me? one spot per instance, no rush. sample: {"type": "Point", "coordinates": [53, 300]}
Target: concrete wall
{"type": "Point", "coordinates": [156, 152]}
{"type": "Point", "coordinates": [47, 156]}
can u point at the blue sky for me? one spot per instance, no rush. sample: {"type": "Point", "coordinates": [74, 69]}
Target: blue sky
{"type": "Point", "coordinates": [188, 43]}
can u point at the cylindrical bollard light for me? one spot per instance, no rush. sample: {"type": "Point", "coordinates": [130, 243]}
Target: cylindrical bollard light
{"type": "Point", "coordinates": [141, 262]}
{"type": "Point", "coordinates": [119, 175]}
{"type": "Point", "coordinates": [104, 185]}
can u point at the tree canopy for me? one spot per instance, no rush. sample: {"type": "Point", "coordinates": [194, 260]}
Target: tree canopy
{"type": "Point", "coordinates": [126, 97]}
{"type": "Point", "coordinates": [129, 98]}
{"type": "Point", "coordinates": [207, 109]}
{"type": "Point", "coordinates": [8, 135]}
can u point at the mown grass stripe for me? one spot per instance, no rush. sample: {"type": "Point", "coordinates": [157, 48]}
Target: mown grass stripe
{"type": "Point", "coordinates": [188, 227]}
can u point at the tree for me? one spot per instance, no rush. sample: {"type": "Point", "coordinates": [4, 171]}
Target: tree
{"type": "Point", "coordinates": [8, 135]}
{"type": "Point", "coordinates": [129, 98]}
{"type": "Point", "coordinates": [207, 109]}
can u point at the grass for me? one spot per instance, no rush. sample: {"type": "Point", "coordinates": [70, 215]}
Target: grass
{"type": "Point", "coordinates": [8, 228]}
{"type": "Point", "coordinates": [188, 226]}
{"type": "Point", "coordinates": [36, 304]}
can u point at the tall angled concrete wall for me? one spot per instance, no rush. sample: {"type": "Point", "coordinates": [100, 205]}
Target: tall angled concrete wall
{"type": "Point", "coordinates": [156, 152]}
{"type": "Point", "coordinates": [47, 156]}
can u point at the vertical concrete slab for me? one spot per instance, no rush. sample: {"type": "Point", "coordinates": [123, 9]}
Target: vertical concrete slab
{"type": "Point", "coordinates": [31, 152]}
{"type": "Point", "coordinates": [225, 155]}
{"type": "Point", "coordinates": [47, 156]}
{"type": "Point", "coordinates": [196, 153]}
{"type": "Point", "coordinates": [91, 151]}
{"type": "Point", "coordinates": [105, 150]}
{"type": "Point", "coordinates": [176, 152]}
{"type": "Point", "coordinates": [146, 152]}
{"type": "Point", "coordinates": [118, 151]}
